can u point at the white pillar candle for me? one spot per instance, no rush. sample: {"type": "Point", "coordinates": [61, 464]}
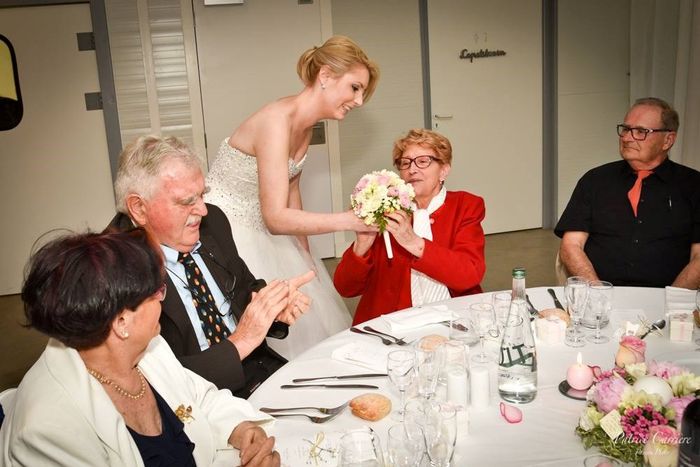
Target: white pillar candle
{"type": "Point", "coordinates": [479, 387]}
{"type": "Point", "coordinates": [457, 386]}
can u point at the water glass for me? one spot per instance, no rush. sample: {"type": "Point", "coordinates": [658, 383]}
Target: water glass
{"type": "Point", "coordinates": [576, 292]}
{"type": "Point", "coordinates": [483, 320]}
{"type": "Point", "coordinates": [405, 445]}
{"type": "Point", "coordinates": [501, 307]}
{"type": "Point", "coordinates": [440, 431]}
{"type": "Point", "coordinates": [428, 365]}
{"type": "Point", "coordinates": [400, 367]}
{"type": "Point", "coordinates": [600, 300]}
{"type": "Point", "coordinates": [360, 448]}
{"type": "Point", "coordinates": [461, 328]}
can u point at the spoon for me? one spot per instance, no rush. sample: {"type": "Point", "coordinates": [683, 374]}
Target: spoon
{"type": "Point", "coordinates": [658, 324]}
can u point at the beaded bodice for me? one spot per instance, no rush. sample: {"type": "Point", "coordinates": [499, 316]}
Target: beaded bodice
{"type": "Point", "coordinates": [233, 180]}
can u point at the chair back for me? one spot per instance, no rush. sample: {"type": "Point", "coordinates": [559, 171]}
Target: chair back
{"type": "Point", "coordinates": [560, 270]}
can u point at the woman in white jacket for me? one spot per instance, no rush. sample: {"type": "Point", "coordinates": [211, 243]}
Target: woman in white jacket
{"type": "Point", "coordinates": [108, 390]}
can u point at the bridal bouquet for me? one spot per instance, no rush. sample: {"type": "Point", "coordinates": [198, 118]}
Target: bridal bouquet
{"type": "Point", "coordinates": [379, 193]}
{"type": "Point", "coordinates": [633, 413]}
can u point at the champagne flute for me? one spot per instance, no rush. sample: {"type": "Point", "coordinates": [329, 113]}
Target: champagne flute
{"type": "Point", "coordinates": [400, 366]}
{"type": "Point", "coordinates": [428, 366]}
{"type": "Point", "coordinates": [501, 307]}
{"type": "Point", "coordinates": [600, 296]}
{"type": "Point", "coordinates": [483, 319]}
{"type": "Point", "coordinates": [406, 445]}
{"type": "Point", "coordinates": [576, 292]}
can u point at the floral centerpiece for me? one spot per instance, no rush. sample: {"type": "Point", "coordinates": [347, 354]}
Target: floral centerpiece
{"type": "Point", "coordinates": [634, 411]}
{"type": "Point", "coordinates": [380, 193]}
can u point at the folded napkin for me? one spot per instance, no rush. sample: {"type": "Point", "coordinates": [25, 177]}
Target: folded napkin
{"type": "Point", "coordinates": [367, 356]}
{"type": "Point", "coordinates": [679, 299]}
{"type": "Point", "coordinates": [416, 317]}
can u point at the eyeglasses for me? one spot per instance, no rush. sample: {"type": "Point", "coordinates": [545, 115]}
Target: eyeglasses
{"type": "Point", "coordinates": [639, 134]}
{"type": "Point", "coordinates": [422, 162]}
{"type": "Point", "coordinates": [162, 291]}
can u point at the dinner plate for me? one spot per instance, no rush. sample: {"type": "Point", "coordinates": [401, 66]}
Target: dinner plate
{"type": "Point", "coordinates": [689, 359]}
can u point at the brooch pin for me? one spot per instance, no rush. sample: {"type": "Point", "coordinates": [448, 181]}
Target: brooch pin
{"type": "Point", "coordinates": [184, 414]}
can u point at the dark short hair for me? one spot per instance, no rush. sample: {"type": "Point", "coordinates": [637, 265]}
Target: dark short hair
{"type": "Point", "coordinates": [78, 284]}
{"type": "Point", "coordinates": [669, 116]}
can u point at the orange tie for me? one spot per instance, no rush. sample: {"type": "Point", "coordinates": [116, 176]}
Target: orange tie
{"type": "Point", "coordinates": [636, 190]}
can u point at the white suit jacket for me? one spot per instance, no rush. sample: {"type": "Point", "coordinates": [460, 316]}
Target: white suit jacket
{"type": "Point", "coordinates": [63, 416]}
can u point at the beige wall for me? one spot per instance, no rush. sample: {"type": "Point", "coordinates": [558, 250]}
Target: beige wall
{"type": "Point", "coordinates": [593, 88]}
{"type": "Point", "coordinates": [388, 31]}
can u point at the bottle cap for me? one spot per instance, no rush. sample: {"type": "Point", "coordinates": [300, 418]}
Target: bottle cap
{"type": "Point", "coordinates": [519, 273]}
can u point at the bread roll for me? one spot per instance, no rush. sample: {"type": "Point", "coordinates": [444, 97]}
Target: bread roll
{"type": "Point", "coordinates": [558, 312]}
{"type": "Point", "coordinates": [370, 406]}
{"type": "Point", "coordinates": [432, 341]}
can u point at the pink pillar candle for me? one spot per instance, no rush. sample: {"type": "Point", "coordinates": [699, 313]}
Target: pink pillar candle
{"type": "Point", "coordinates": [579, 376]}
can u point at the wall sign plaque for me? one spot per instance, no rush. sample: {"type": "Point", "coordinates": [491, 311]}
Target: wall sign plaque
{"type": "Point", "coordinates": [482, 53]}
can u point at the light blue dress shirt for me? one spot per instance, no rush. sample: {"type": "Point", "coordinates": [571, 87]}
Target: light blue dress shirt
{"type": "Point", "coordinates": [176, 271]}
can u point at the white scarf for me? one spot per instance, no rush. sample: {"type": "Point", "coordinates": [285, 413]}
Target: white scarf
{"type": "Point", "coordinates": [423, 288]}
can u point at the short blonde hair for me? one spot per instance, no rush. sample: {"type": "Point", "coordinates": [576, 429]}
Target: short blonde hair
{"type": "Point", "coordinates": [423, 137]}
{"type": "Point", "coordinates": [340, 54]}
{"type": "Point", "coordinates": [140, 163]}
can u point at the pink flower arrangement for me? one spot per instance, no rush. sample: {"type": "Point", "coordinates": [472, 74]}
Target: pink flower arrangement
{"type": "Point", "coordinates": [647, 425]}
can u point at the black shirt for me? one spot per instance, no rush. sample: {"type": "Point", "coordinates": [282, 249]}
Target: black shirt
{"type": "Point", "coordinates": [172, 447]}
{"type": "Point", "coordinates": [650, 249]}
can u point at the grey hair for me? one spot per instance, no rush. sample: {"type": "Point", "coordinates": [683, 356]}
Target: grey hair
{"type": "Point", "coordinates": [140, 165]}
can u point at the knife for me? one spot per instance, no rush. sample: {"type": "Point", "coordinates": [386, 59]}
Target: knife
{"type": "Point", "coordinates": [531, 307]}
{"type": "Point", "coordinates": [557, 303]}
{"type": "Point", "coordinates": [329, 386]}
{"type": "Point", "coordinates": [366, 375]}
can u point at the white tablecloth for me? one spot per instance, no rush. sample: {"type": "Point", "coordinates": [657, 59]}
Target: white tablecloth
{"type": "Point", "coordinates": [544, 437]}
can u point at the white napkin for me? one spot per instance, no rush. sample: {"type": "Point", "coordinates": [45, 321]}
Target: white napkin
{"type": "Point", "coordinates": [417, 317]}
{"type": "Point", "coordinates": [367, 356]}
{"type": "Point", "coordinates": [679, 299]}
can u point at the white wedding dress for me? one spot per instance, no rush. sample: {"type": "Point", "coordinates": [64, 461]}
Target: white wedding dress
{"type": "Point", "coordinates": [233, 179]}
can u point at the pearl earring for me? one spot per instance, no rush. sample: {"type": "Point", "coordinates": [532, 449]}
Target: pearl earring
{"type": "Point", "coordinates": [323, 86]}
{"type": "Point", "coordinates": [125, 334]}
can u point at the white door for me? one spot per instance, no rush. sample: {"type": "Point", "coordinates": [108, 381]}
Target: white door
{"type": "Point", "coordinates": [491, 108]}
{"type": "Point", "coordinates": [247, 57]}
{"type": "Point", "coordinates": [54, 166]}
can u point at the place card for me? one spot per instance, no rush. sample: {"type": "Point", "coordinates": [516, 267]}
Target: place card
{"type": "Point", "coordinates": [611, 424]}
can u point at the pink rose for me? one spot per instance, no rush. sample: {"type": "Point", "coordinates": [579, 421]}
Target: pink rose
{"type": "Point", "coordinates": [678, 404]}
{"type": "Point", "coordinates": [663, 369]}
{"type": "Point", "coordinates": [631, 350]}
{"type": "Point", "coordinates": [608, 393]}
{"type": "Point", "coordinates": [392, 191]}
{"type": "Point", "coordinates": [661, 449]}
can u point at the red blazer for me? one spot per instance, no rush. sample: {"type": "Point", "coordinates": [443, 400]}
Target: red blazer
{"type": "Point", "coordinates": [454, 257]}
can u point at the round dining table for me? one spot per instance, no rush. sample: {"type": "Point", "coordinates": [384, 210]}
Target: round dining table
{"type": "Point", "coordinates": [544, 437]}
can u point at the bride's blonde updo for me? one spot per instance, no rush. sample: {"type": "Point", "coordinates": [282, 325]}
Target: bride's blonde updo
{"type": "Point", "coordinates": [339, 53]}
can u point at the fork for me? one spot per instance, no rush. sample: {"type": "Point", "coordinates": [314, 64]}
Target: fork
{"type": "Point", "coordinates": [323, 410]}
{"type": "Point", "coordinates": [313, 418]}
{"type": "Point", "coordinates": [396, 339]}
{"type": "Point", "coordinates": [385, 341]}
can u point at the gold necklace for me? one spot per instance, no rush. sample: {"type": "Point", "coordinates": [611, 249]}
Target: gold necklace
{"type": "Point", "coordinates": [123, 392]}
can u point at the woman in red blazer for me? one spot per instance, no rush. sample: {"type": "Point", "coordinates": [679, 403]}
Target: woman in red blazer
{"type": "Point", "coordinates": [438, 251]}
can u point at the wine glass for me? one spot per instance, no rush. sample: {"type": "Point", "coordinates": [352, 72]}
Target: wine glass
{"type": "Point", "coordinates": [428, 366]}
{"type": "Point", "coordinates": [406, 445]}
{"type": "Point", "coordinates": [576, 292]}
{"type": "Point", "coordinates": [501, 307]}
{"type": "Point", "coordinates": [360, 448]}
{"type": "Point", "coordinates": [483, 319]}
{"type": "Point", "coordinates": [439, 425]}
{"type": "Point", "coordinates": [400, 366]}
{"type": "Point", "coordinates": [600, 297]}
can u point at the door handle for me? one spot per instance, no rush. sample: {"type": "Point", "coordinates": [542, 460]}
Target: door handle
{"type": "Point", "coordinates": [442, 117]}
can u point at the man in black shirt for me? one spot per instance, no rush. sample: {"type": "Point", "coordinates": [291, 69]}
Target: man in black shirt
{"type": "Point", "coordinates": [636, 221]}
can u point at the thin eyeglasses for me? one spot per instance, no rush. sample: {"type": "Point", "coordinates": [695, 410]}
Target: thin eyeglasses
{"type": "Point", "coordinates": [639, 133]}
{"type": "Point", "coordinates": [422, 162]}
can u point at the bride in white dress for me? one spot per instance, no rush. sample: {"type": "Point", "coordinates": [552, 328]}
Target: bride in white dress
{"type": "Point", "coordinates": [255, 181]}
